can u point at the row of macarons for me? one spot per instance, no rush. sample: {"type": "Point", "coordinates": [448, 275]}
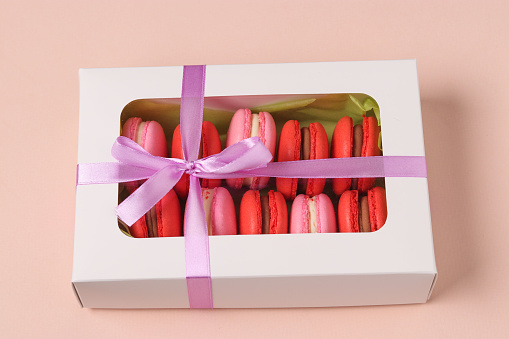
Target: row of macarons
{"type": "Point", "coordinates": [295, 143]}
{"type": "Point", "coordinates": [268, 214]}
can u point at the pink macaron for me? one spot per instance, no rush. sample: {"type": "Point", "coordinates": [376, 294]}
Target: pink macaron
{"type": "Point", "coordinates": [243, 125]}
{"type": "Point", "coordinates": [312, 215]}
{"type": "Point", "coordinates": [219, 211]}
{"type": "Point", "coordinates": [148, 134]}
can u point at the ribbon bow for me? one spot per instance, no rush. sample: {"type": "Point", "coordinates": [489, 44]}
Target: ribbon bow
{"type": "Point", "coordinates": [135, 163]}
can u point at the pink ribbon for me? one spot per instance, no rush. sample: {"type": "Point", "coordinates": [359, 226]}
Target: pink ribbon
{"type": "Point", "coordinates": [246, 158]}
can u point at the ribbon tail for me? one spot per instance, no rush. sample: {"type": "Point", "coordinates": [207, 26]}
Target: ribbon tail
{"type": "Point", "coordinates": [147, 195]}
{"type": "Point", "coordinates": [199, 283]}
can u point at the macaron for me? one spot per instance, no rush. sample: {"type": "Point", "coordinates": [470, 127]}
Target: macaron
{"type": "Point", "coordinates": [312, 215]}
{"type": "Point", "coordinates": [296, 143]}
{"type": "Point", "coordinates": [162, 220]}
{"type": "Point", "coordinates": [243, 125]}
{"type": "Point", "coordinates": [210, 144]}
{"type": "Point", "coordinates": [148, 134]}
{"type": "Point", "coordinates": [263, 214]}
{"type": "Point", "coordinates": [219, 211]}
{"type": "Point", "coordinates": [165, 218]}
{"type": "Point", "coordinates": [354, 141]}
{"type": "Point", "coordinates": [362, 213]}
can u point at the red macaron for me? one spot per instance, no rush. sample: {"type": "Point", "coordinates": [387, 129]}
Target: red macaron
{"type": "Point", "coordinates": [210, 144]}
{"type": "Point", "coordinates": [308, 143]}
{"type": "Point", "coordinates": [263, 214]}
{"type": "Point", "coordinates": [165, 218]}
{"type": "Point", "coordinates": [354, 141]}
{"type": "Point", "coordinates": [162, 220]}
{"type": "Point", "coordinates": [362, 213]}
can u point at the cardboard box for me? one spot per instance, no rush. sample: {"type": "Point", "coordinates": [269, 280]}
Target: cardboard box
{"type": "Point", "coordinates": [394, 265]}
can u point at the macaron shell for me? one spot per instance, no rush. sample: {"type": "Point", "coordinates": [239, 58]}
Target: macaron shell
{"type": "Point", "coordinates": [169, 216]}
{"type": "Point", "coordinates": [154, 139]}
{"type": "Point", "coordinates": [240, 127]}
{"type": "Point", "coordinates": [139, 228]}
{"type": "Point", "coordinates": [326, 216]}
{"type": "Point", "coordinates": [377, 208]}
{"type": "Point", "coordinates": [341, 147]}
{"type": "Point", "coordinates": [250, 216]}
{"type": "Point", "coordinates": [268, 131]}
{"type": "Point", "coordinates": [223, 217]}
{"type": "Point", "coordinates": [348, 211]}
{"type": "Point", "coordinates": [211, 144]}
{"type": "Point", "coordinates": [130, 128]}
{"type": "Point", "coordinates": [319, 150]}
{"type": "Point", "coordinates": [370, 148]}
{"type": "Point", "coordinates": [278, 213]}
{"type": "Point", "coordinates": [289, 150]}
{"type": "Point", "coordinates": [299, 215]}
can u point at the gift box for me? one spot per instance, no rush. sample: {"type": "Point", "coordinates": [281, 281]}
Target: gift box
{"type": "Point", "coordinates": [394, 265]}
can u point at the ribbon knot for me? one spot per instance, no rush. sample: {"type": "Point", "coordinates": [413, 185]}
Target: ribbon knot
{"type": "Point", "coordinates": [190, 167]}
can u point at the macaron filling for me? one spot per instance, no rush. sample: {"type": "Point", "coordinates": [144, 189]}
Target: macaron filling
{"type": "Point", "coordinates": [305, 148]}
{"type": "Point", "coordinates": [305, 153]}
{"type": "Point", "coordinates": [313, 215]}
{"type": "Point", "coordinates": [141, 134]}
{"type": "Point", "coordinates": [364, 215]}
{"type": "Point", "coordinates": [296, 156]}
{"type": "Point", "coordinates": [266, 215]}
{"type": "Point", "coordinates": [151, 221]}
{"type": "Point", "coordinates": [255, 125]}
{"type": "Point", "coordinates": [357, 148]}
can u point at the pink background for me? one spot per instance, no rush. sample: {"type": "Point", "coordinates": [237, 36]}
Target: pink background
{"type": "Point", "coordinates": [462, 54]}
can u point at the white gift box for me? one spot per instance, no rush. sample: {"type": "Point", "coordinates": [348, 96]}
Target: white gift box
{"type": "Point", "coordinates": [394, 265]}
